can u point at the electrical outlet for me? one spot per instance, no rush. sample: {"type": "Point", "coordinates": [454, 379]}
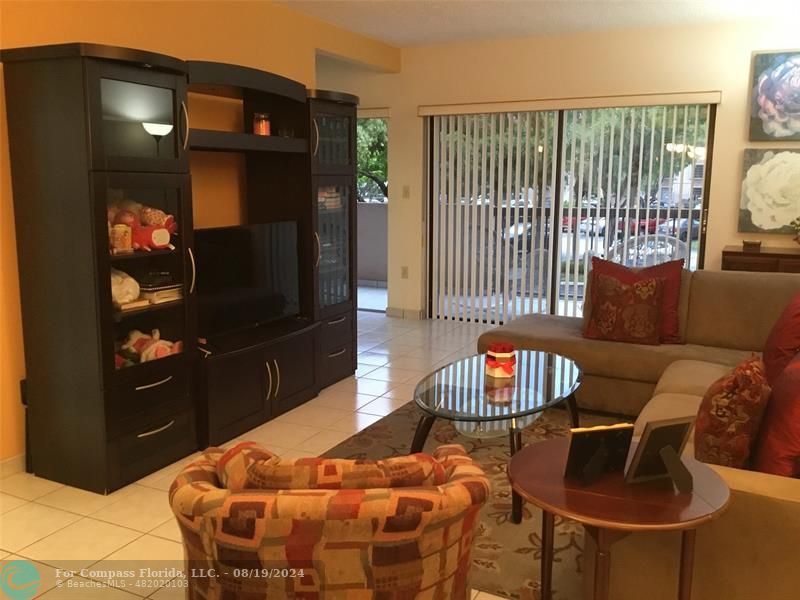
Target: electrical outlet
{"type": "Point", "coordinates": [403, 272]}
{"type": "Point", "coordinates": [406, 191]}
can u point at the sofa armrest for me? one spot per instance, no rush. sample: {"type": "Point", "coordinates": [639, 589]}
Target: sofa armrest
{"type": "Point", "coordinates": [761, 484]}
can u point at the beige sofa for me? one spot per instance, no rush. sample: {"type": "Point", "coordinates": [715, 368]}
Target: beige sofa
{"type": "Point", "coordinates": [724, 316]}
{"type": "Point", "coordinates": [750, 552]}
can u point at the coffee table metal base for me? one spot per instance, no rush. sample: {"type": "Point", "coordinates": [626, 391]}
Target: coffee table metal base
{"type": "Point", "coordinates": [515, 445]}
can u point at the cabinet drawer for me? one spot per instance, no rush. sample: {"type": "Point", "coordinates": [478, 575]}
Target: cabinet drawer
{"type": "Point", "coordinates": [146, 388]}
{"type": "Point", "coordinates": [749, 263]}
{"type": "Point", "coordinates": [163, 441]}
{"type": "Point", "coordinates": [336, 332]}
{"type": "Point", "coordinates": [789, 265]}
{"type": "Point", "coordinates": [335, 365]}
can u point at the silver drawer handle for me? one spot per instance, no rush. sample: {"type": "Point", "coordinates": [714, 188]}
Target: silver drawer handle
{"type": "Point", "coordinates": [269, 374]}
{"type": "Point", "coordinates": [194, 271]}
{"type": "Point", "coordinates": [339, 353]}
{"type": "Point", "coordinates": [278, 383]}
{"type": "Point", "coordinates": [316, 137]}
{"type": "Point", "coordinates": [337, 321]}
{"type": "Point", "coordinates": [152, 385]}
{"type": "Point", "coordinates": [155, 431]}
{"type": "Point", "coordinates": [186, 121]}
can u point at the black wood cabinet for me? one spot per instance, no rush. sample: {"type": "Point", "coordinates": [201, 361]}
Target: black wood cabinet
{"type": "Point", "coordinates": [236, 391]}
{"type": "Point", "coordinates": [245, 388]}
{"type": "Point", "coordinates": [138, 118]}
{"type": "Point", "coordinates": [333, 132]}
{"type": "Point", "coordinates": [105, 404]}
{"type": "Point", "coordinates": [99, 142]}
{"type": "Point", "coordinates": [333, 166]}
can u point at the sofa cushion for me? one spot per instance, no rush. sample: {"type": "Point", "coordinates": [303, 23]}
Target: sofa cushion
{"type": "Point", "coordinates": [635, 362]}
{"type": "Point", "coordinates": [737, 310]}
{"type": "Point", "coordinates": [667, 405]}
{"type": "Point", "coordinates": [670, 272]}
{"type": "Point", "coordinates": [778, 450]}
{"type": "Point", "coordinates": [626, 312]}
{"type": "Point", "coordinates": [730, 415]}
{"type": "Point", "coordinates": [690, 377]}
{"type": "Point", "coordinates": [783, 342]}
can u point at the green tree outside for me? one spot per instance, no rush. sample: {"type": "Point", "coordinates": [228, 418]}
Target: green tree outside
{"type": "Point", "coordinates": [372, 143]}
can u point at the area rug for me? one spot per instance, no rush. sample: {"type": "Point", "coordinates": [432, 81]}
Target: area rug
{"type": "Point", "coordinates": [505, 556]}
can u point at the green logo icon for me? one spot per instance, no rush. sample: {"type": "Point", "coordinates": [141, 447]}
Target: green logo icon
{"type": "Point", "coordinates": [19, 579]}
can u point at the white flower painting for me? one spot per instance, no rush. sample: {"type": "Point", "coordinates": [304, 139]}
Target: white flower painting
{"type": "Point", "coordinates": [770, 191]}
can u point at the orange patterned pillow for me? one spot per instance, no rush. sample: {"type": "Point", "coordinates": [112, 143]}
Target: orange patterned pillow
{"type": "Point", "coordinates": [730, 416]}
{"type": "Point", "coordinates": [624, 312]}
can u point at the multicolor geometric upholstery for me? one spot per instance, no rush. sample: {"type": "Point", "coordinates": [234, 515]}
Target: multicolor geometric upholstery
{"type": "Point", "coordinates": [248, 466]}
{"type": "Point", "coordinates": [339, 543]}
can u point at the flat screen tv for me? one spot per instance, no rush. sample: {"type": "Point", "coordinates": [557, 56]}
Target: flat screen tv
{"type": "Point", "coordinates": [246, 276]}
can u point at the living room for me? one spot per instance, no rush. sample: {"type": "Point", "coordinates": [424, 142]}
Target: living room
{"type": "Point", "coordinates": [430, 69]}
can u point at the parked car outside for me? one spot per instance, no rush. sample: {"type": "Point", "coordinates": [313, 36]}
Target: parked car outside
{"type": "Point", "coordinates": [679, 228]}
{"type": "Point", "coordinates": [634, 226]}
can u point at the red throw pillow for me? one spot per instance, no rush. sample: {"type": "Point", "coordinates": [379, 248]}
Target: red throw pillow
{"type": "Point", "coordinates": [625, 312]}
{"type": "Point", "coordinates": [783, 342]}
{"type": "Point", "coordinates": [778, 449]}
{"type": "Point", "coordinates": [730, 415]}
{"type": "Point", "coordinates": [670, 305]}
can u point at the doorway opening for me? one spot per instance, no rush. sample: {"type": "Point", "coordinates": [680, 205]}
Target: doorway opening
{"type": "Point", "coordinates": [372, 213]}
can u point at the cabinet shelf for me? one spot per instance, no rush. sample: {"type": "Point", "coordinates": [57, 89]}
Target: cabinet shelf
{"type": "Point", "coordinates": [222, 79]}
{"type": "Point", "coordinates": [229, 141]}
{"type": "Point", "coordinates": [121, 315]}
{"type": "Point", "coordinates": [141, 254]}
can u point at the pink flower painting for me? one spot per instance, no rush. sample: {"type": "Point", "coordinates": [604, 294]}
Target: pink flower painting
{"type": "Point", "coordinates": [776, 97]}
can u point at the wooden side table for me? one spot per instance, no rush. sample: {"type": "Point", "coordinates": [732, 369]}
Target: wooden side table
{"type": "Point", "coordinates": [773, 260]}
{"type": "Point", "coordinates": [611, 509]}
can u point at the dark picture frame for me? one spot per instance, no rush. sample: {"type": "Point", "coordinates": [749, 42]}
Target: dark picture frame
{"type": "Point", "coordinates": [775, 96]}
{"type": "Point", "coordinates": [647, 463]}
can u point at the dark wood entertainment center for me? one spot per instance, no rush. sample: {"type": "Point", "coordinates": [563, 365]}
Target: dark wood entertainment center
{"type": "Point", "coordinates": [100, 133]}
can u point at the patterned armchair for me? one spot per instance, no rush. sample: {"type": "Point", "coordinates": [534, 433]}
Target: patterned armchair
{"type": "Point", "coordinates": [257, 527]}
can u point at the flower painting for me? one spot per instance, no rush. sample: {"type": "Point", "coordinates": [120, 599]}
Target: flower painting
{"type": "Point", "coordinates": [775, 110]}
{"type": "Point", "coordinates": [770, 191]}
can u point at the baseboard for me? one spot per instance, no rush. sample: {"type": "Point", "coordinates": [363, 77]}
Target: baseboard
{"type": "Point", "coordinates": [405, 313]}
{"type": "Point", "coordinates": [12, 466]}
{"type": "Point", "coordinates": [373, 283]}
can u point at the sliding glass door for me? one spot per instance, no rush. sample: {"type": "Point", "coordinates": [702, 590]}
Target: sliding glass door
{"type": "Point", "coordinates": [520, 202]}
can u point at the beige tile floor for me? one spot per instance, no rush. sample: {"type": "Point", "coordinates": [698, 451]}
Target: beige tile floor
{"type": "Point", "coordinates": [56, 526]}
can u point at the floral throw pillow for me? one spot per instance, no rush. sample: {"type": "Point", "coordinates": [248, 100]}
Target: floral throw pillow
{"type": "Point", "coordinates": [625, 312]}
{"type": "Point", "coordinates": [730, 416]}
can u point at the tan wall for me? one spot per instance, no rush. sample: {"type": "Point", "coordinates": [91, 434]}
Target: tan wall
{"type": "Point", "coordinates": [632, 62]}
{"type": "Point", "coordinates": [255, 34]}
{"type": "Point", "coordinates": [372, 228]}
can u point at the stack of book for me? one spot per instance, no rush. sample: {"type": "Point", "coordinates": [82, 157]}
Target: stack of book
{"type": "Point", "coordinates": [157, 294]}
{"type": "Point", "coordinates": [330, 198]}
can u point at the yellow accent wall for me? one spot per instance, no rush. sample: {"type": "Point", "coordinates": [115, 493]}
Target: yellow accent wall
{"type": "Point", "coordinates": [580, 65]}
{"type": "Point", "coordinates": [255, 34]}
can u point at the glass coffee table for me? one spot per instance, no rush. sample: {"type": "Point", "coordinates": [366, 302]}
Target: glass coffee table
{"type": "Point", "coordinates": [461, 392]}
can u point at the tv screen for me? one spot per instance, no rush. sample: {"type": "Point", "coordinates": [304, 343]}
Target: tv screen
{"type": "Point", "coordinates": [246, 276]}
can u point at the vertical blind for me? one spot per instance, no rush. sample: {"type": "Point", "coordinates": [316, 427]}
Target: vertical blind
{"type": "Point", "coordinates": [521, 201]}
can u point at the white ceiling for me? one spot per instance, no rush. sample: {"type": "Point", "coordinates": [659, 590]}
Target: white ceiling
{"type": "Point", "coordinates": [419, 22]}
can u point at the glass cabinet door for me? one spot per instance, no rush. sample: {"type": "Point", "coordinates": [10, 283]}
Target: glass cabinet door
{"type": "Point", "coordinates": [333, 145]}
{"type": "Point", "coordinates": [333, 241]}
{"type": "Point", "coordinates": [146, 236]}
{"type": "Point", "coordinates": [139, 119]}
